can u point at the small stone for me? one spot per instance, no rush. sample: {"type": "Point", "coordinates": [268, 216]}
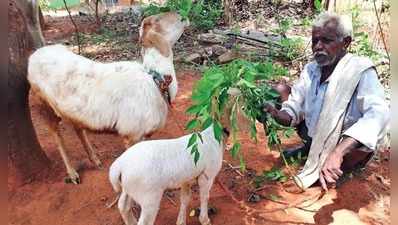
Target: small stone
{"type": "Point", "coordinates": [194, 57]}
{"type": "Point", "coordinates": [253, 197]}
{"type": "Point", "coordinates": [227, 57]}
{"type": "Point", "coordinates": [212, 38]}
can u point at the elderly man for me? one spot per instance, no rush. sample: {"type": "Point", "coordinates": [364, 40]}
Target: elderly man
{"type": "Point", "coordinates": [337, 104]}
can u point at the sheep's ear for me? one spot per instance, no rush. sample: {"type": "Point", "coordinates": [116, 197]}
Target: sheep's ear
{"type": "Point", "coordinates": [155, 40]}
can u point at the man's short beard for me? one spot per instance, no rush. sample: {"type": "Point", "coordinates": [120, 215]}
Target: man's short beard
{"type": "Point", "coordinates": [325, 59]}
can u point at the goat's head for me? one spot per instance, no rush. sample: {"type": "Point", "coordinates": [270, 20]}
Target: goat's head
{"type": "Point", "coordinates": [162, 31]}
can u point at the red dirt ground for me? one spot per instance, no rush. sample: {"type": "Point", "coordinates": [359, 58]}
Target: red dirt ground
{"type": "Point", "coordinates": [50, 201]}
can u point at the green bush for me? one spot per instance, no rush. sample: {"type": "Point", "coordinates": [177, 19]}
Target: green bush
{"type": "Point", "coordinates": [361, 44]}
{"type": "Point", "coordinates": [289, 48]}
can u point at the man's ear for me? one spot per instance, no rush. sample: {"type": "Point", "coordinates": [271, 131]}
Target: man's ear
{"type": "Point", "coordinates": [347, 41]}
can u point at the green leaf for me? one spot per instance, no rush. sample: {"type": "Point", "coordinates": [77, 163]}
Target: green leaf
{"type": "Point", "coordinates": [196, 157]}
{"type": "Point", "coordinates": [288, 133]}
{"type": "Point", "coordinates": [273, 138]}
{"type": "Point", "coordinates": [253, 130]}
{"type": "Point", "coordinates": [235, 150]}
{"type": "Point", "coordinates": [246, 83]}
{"type": "Point", "coordinates": [201, 94]}
{"type": "Point", "coordinates": [193, 110]}
{"type": "Point", "coordinates": [200, 137]}
{"type": "Point", "coordinates": [192, 124]}
{"type": "Point", "coordinates": [192, 139]}
{"type": "Point", "coordinates": [242, 163]}
{"type": "Point", "coordinates": [217, 131]}
{"type": "Point", "coordinates": [223, 99]}
{"type": "Point", "coordinates": [194, 148]}
{"type": "Point", "coordinates": [318, 5]}
{"type": "Point", "coordinates": [275, 174]}
{"type": "Point", "coordinates": [207, 123]}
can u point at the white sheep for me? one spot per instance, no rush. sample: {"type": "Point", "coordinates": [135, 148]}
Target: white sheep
{"type": "Point", "coordinates": [119, 97]}
{"type": "Point", "coordinates": [148, 168]}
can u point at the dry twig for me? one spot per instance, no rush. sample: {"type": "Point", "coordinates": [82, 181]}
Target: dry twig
{"type": "Point", "coordinates": [74, 24]}
{"type": "Point", "coordinates": [382, 33]}
{"type": "Point", "coordinates": [236, 169]}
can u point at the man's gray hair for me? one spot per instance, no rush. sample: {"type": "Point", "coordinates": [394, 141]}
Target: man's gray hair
{"type": "Point", "coordinates": [343, 23]}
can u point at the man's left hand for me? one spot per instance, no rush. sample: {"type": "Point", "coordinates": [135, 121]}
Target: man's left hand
{"type": "Point", "coordinates": [331, 171]}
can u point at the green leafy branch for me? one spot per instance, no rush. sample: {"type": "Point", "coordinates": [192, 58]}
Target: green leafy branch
{"type": "Point", "coordinates": [203, 14]}
{"type": "Point", "coordinates": [225, 91]}
{"type": "Point", "coordinates": [183, 7]}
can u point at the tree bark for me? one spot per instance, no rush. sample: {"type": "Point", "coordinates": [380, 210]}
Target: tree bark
{"type": "Point", "coordinates": [24, 152]}
{"type": "Point", "coordinates": [227, 12]}
{"type": "Point", "coordinates": [97, 18]}
{"type": "Point", "coordinates": [41, 20]}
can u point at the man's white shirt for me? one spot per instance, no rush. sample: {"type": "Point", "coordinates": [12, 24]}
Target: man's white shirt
{"type": "Point", "coordinates": [367, 115]}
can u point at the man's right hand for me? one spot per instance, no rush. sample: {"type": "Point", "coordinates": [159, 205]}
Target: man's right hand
{"type": "Point", "coordinates": [268, 108]}
{"type": "Point", "coordinates": [281, 117]}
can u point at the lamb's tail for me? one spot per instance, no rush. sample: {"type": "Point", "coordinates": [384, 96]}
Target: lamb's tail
{"type": "Point", "coordinates": [115, 179]}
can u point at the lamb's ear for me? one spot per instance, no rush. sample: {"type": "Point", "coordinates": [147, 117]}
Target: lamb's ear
{"type": "Point", "coordinates": [153, 39]}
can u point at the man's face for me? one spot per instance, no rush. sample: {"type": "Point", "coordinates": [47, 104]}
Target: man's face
{"type": "Point", "coordinates": [327, 46]}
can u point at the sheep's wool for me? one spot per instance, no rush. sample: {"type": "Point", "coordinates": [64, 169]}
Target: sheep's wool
{"type": "Point", "coordinates": [120, 96]}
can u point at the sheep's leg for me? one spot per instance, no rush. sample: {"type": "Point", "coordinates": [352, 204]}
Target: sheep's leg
{"type": "Point", "coordinates": [185, 197]}
{"type": "Point", "coordinates": [52, 121]}
{"type": "Point", "coordinates": [204, 188]}
{"type": "Point", "coordinates": [125, 205]}
{"type": "Point", "coordinates": [149, 208]}
{"type": "Point", "coordinates": [81, 133]}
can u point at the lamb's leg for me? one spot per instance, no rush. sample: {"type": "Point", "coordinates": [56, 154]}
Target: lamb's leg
{"type": "Point", "coordinates": [149, 208]}
{"type": "Point", "coordinates": [204, 188]}
{"type": "Point", "coordinates": [125, 205]}
{"type": "Point", "coordinates": [185, 197]}
{"type": "Point", "coordinates": [81, 133]}
{"type": "Point", "coordinates": [52, 121]}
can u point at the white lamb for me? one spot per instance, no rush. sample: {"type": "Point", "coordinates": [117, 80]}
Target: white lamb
{"type": "Point", "coordinates": [147, 169]}
{"type": "Point", "coordinates": [119, 97]}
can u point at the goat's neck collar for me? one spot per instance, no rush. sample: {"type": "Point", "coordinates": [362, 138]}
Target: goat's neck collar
{"type": "Point", "coordinates": [163, 82]}
{"type": "Point", "coordinates": [153, 60]}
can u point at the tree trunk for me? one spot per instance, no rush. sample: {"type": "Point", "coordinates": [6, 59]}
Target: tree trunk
{"type": "Point", "coordinates": [227, 12]}
{"type": "Point", "coordinates": [24, 152]}
{"type": "Point", "coordinates": [41, 20]}
{"type": "Point", "coordinates": [97, 18]}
